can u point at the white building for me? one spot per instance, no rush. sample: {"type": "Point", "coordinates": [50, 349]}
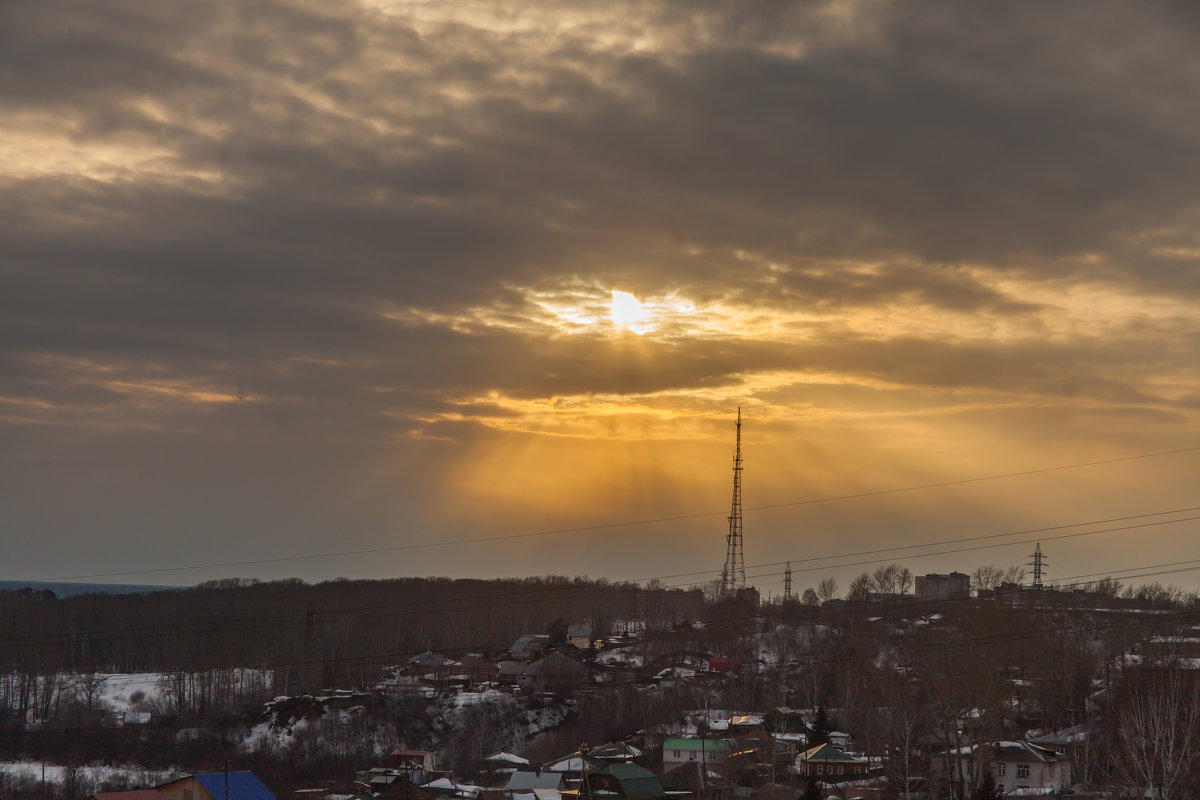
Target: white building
{"type": "Point", "coordinates": [1019, 768]}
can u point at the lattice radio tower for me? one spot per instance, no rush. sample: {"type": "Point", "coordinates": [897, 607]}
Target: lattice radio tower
{"type": "Point", "coordinates": [787, 583]}
{"type": "Point", "coordinates": [1037, 561]}
{"type": "Point", "coordinates": [733, 574]}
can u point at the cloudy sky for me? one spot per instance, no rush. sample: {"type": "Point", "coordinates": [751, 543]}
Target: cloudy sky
{"type": "Point", "coordinates": [284, 279]}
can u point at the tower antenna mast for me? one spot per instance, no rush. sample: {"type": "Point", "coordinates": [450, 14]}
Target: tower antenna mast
{"type": "Point", "coordinates": [733, 574]}
{"type": "Point", "coordinates": [1038, 562]}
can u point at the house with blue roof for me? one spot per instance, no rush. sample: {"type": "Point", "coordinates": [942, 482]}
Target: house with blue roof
{"type": "Point", "coordinates": [236, 785]}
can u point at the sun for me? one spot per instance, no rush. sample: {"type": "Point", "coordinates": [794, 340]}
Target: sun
{"type": "Point", "coordinates": [628, 313]}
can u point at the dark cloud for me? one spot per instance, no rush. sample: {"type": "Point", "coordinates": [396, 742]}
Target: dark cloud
{"type": "Point", "coordinates": [208, 213]}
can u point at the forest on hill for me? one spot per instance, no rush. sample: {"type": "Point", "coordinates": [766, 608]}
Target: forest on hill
{"type": "Point", "coordinates": [308, 637]}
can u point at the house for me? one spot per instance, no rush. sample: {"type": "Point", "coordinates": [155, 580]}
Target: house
{"type": "Point", "coordinates": [416, 765]}
{"type": "Point", "coordinates": [619, 782]}
{"type": "Point", "coordinates": [499, 767]}
{"type": "Point", "coordinates": [509, 672]}
{"type": "Point", "coordinates": [692, 780]}
{"type": "Point", "coordinates": [429, 663]}
{"type": "Point", "coordinates": [580, 635]}
{"type": "Point", "coordinates": [831, 764]}
{"type": "Point", "coordinates": [553, 673]}
{"type": "Point", "coordinates": [529, 647]}
{"type": "Point", "coordinates": [1014, 765]}
{"type": "Point", "coordinates": [530, 783]}
{"type": "Point", "coordinates": [476, 667]}
{"type": "Point", "coordinates": [786, 720]}
{"type": "Point", "coordinates": [384, 782]}
{"type": "Point", "coordinates": [707, 751]}
{"type": "Point", "coordinates": [242, 785]}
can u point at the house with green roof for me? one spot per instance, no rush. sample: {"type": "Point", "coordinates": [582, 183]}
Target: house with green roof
{"type": "Point", "coordinates": [623, 781]}
{"type": "Point", "coordinates": [831, 764]}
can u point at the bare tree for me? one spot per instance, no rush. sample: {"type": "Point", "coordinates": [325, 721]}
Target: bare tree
{"type": "Point", "coordinates": [827, 590]}
{"type": "Point", "coordinates": [89, 686]}
{"type": "Point", "coordinates": [891, 579]}
{"type": "Point", "coordinates": [810, 598]}
{"type": "Point", "coordinates": [986, 576]}
{"type": "Point", "coordinates": [860, 587]}
{"type": "Point", "coordinates": [1014, 574]}
{"type": "Point", "coordinates": [1159, 729]}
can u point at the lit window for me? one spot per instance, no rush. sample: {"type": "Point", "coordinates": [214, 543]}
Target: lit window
{"type": "Point", "coordinates": [1022, 770]}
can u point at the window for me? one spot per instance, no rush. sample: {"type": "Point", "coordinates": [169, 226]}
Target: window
{"type": "Point", "coordinates": [677, 754]}
{"type": "Point", "coordinates": [1000, 770]}
{"type": "Point", "coordinates": [841, 769]}
{"type": "Point", "coordinates": [820, 769]}
{"type": "Point", "coordinates": [1022, 770]}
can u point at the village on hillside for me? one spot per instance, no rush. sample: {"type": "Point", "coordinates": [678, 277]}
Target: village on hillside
{"type": "Point", "coordinates": [948, 692]}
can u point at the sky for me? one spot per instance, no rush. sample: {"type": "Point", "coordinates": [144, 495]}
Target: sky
{"type": "Point", "coordinates": [326, 289]}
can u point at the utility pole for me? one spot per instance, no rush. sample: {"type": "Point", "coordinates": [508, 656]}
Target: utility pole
{"type": "Point", "coordinates": [787, 583]}
{"type": "Point", "coordinates": [583, 782]}
{"type": "Point", "coordinates": [733, 574]}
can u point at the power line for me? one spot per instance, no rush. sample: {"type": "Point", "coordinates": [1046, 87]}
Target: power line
{"type": "Point", "coordinates": [412, 608]}
{"type": "Point", "coordinates": [624, 524]}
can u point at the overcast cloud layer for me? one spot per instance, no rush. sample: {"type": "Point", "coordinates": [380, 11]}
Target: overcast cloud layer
{"type": "Point", "coordinates": [282, 278]}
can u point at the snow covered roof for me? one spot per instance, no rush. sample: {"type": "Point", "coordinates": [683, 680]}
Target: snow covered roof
{"type": "Point", "coordinates": [676, 672]}
{"type": "Point", "coordinates": [827, 752]}
{"type": "Point", "coordinates": [1005, 750]}
{"type": "Point", "coordinates": [1077, 734]}
{"type": "Point", "coordinates": [455, 788]}
{"type": "Point", "coordinates": [746, 720]}
{"type": "Point", "coordinates": [505, 758]}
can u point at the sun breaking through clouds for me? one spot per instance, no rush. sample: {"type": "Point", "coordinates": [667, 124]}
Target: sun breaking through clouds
{"type": "Point", "coordinates": [284, 274]}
